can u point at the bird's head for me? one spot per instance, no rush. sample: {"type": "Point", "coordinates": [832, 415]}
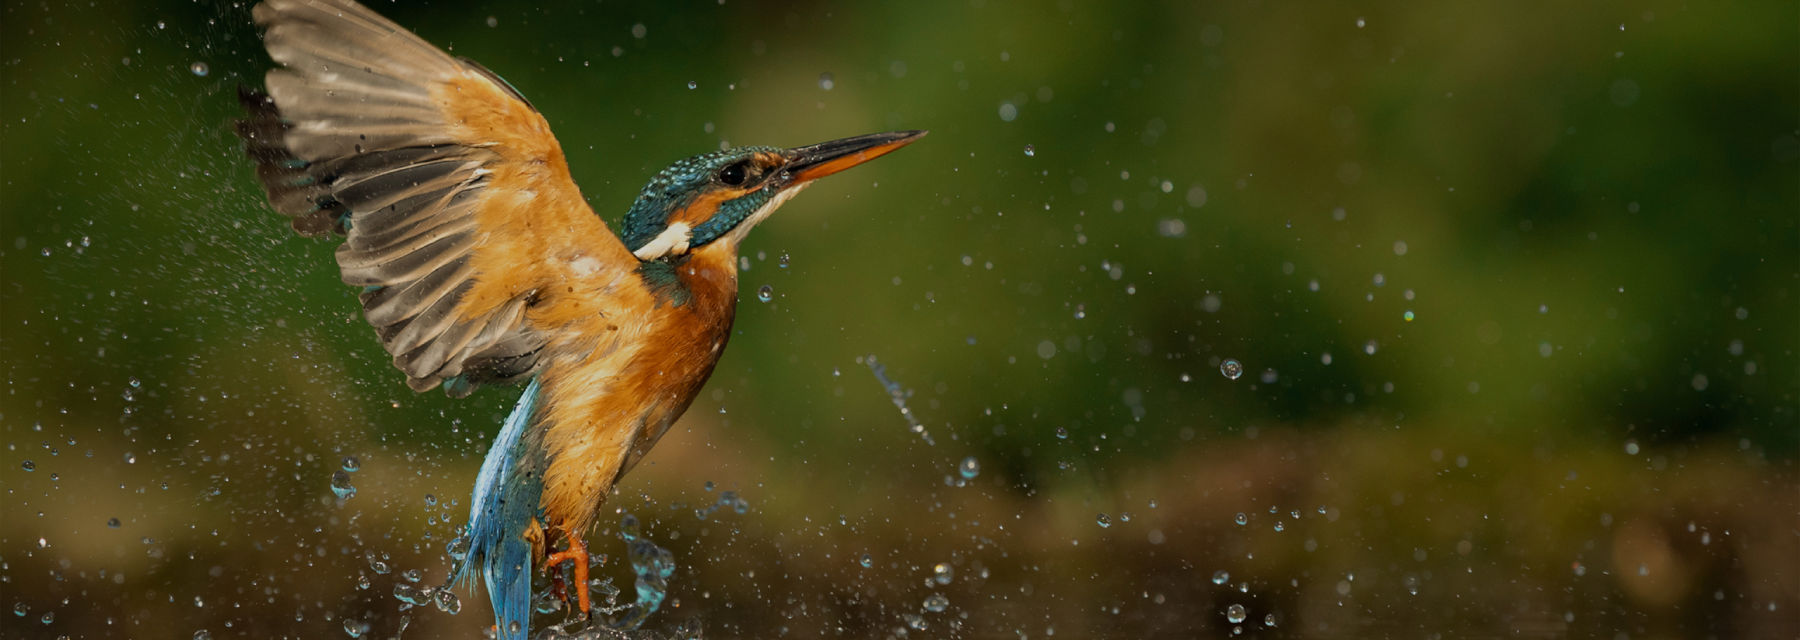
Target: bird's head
{"type": "Point", "coordinates": [719, 196]}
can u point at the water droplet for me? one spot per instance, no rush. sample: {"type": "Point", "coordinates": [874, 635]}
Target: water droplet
{"type": "Point", "coordinates": [970, 467]}
{"type": "Point", "coordinates": [28, 465]}
{"type": "Point", "coordinates": [20, 609]}
{"type": "Point", "coordinates": [1279, 527]}
{"type": "Point", "coordinates": [202, 635]}
{"type": "Point", "coordinates": [447, 602]}
{"type": "Point", "coordinates": [493, 21]}
{"type": "Point", "coordinates": [783, 260]}
{"type": "Point", "coordinates": [200, 69]}
{"type": "Point", "coordinates": [1236, 613]}
{"type": "Point", "coordinates": [458, 548]}
{"type": "Point", "coordinates": [413, 594]}
{"type": "Point", "coordinates": [693, 85]}
{"type": "Point", "coordinates": [112, 523]}
{"type": "Point", "coordinates": [1241, 519]}
{"type": "Point", "coordinates": [936, 603]}
{"type": "Point", "coordinates": [941, 573]}
{"type": "Point", "coordinates": [130, 458]}
{"type": "Point", "coordinates": [1408, 316]}
{"type": "Point", "coordinates": [378, 565]}
{"type": "Point", "coordinates": [351, 464]}
{"type": "Point", "coordinates": [866, 561]}
{"type": "Point", "coordinates": [1231, 369]}
{"type": "Point", "coordinates": [765, 293]}
{"type": "Point", "coordinates": [355, 628]}
{"type": "Point", "coordinates": [1103, 521]}
{"type": "Point", "coordinates": [1360, 23]}
{"type": "Point", "coordinates": [48, 617]}
{"type": "Point", "coordinates": [1221, 576]}
{"type": "Point", "coordinates": [340, 485]}
{"type": "Point", "coordinates": [1269, 620]}
{"type": "Point", "coordinates": [826, 82]}
{"type": "Point", "coordinates": [1062, 433]}
{"type": "Point", "coordinates": [1030, 151]}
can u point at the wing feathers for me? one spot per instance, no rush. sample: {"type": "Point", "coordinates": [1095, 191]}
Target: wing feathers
{"type": "Point", "coordinates": [322, 27]}
{"type": "Point", "coordinates": [370, 132]}
{"type": "Point", "coordinates": [384, 268]}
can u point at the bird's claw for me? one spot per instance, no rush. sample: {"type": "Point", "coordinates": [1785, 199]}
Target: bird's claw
{"type": "Point", "coordinates": [577, 555]}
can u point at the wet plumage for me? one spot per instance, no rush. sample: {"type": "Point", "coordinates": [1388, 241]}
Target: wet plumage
{"type": "Point", "coordinates": [481, 264]}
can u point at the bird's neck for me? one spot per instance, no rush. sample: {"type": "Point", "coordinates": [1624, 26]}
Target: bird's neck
{"type": "Point", "coordinates": [705, 278]}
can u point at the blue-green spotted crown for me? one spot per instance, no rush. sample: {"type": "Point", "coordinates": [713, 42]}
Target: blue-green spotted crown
{"type": "Point", "coordinates": [676, 186]}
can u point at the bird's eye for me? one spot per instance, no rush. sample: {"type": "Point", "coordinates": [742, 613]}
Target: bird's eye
{"type": "Point", "coordinates": [733, 175]}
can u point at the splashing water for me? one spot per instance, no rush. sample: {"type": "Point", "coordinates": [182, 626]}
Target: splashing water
{"type": "Point", "coordinates": [899, 395]}
{"type": "Point", "coordinates": [653, 565]}
{"type": "Point", "coordinates": [727, 499]}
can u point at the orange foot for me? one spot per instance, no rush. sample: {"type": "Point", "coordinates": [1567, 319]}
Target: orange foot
{"type": "Point", "coordinates": [576, 554]}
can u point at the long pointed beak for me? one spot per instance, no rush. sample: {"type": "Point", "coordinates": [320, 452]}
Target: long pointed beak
{"type": "Point", "coordinates": [812, 162]}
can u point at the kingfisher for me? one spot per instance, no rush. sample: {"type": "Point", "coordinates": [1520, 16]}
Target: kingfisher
{"type": "Point", "coordinates": [481, 264]}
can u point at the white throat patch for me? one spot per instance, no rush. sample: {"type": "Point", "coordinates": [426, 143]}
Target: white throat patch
{"type": "Point", "coordinates": [736, 235]}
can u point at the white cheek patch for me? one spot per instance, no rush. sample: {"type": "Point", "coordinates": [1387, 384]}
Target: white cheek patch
{"type": "Point", "coordinates": [672, 240]}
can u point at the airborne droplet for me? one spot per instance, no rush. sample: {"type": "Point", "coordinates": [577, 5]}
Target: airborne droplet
{"type": "Point", "coordinates": [200, 69]}
{"type": "Point", "coordinates": [1232, 369]}
{"type": "Point", "coordinates": [765, 293]}
{"type": "Point", "coordinates": [340, 485]}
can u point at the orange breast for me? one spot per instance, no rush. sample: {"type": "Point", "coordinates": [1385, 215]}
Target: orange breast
{"type": "Point", "coordinates": [605, 410]}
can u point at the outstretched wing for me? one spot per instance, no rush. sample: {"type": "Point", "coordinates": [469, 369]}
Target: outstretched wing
{"type": "Point", "coordinates": [451, 193]}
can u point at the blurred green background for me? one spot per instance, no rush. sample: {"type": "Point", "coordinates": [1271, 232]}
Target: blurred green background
{"type": "Point", "coordinates": [1513, 288]}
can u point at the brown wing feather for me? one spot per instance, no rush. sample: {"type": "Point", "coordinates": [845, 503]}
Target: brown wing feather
{"type": "Point", "coordinates": [452, 193]}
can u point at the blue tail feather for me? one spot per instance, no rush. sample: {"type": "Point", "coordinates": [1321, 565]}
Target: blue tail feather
{"type": "Point", "coordinates": [501, 511]}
